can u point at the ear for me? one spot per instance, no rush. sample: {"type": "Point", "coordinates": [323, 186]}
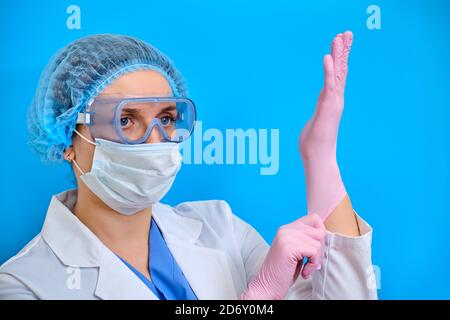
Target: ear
{"type": "Point", "coordinates": [69, 154]}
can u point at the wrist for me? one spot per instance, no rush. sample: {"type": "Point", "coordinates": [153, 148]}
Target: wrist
{"type": "Point", "coordinates": [322, 170]}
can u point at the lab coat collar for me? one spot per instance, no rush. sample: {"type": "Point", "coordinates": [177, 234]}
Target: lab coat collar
{"type": "Point", "coordinates": [78, 247]}
{"type": "Point", "coordinates": [206, 269]}
{"type": "Point", "coordinates": [67, 236]}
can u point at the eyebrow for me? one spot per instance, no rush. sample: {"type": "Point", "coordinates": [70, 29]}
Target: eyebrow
{"type": "Point", "coordinates": [168, 108]}
{"type": "Point", "coordinates": [130, 110]}
{"type": "Point", "coordinates": [134, 110]}
{"type": "Point", "coordinates": [123, 94]}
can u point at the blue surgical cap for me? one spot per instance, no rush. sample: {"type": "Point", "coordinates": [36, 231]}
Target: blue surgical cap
{"type": "Point", "coordinates": [77, 74]}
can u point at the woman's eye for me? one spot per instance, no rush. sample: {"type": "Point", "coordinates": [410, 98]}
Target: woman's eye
{"type": "Point", "coordinates": [166, 120]}
{"type": "Point", "coordinates": [124, 121]}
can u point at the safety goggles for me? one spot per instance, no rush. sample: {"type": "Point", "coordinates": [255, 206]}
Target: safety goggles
{"type": "Point", "coordinates": [132, 120]}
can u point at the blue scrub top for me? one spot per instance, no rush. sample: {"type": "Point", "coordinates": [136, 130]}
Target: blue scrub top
{"type": "Point", "coordinates": [168, 282]}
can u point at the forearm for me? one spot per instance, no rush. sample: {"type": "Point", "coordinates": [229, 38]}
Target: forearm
{"type": "Point", "coordinates": [327, 195]}
{"type": "Point", "coordinates": [325, 190]}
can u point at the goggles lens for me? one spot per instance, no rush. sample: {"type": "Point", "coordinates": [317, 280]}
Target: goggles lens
{"type": "Point", "coordinates": [135, 120]}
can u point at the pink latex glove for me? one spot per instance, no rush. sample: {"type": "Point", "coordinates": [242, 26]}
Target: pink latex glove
{"type": "Point", "coordinates": [317, 143]}
{"type": "Point", "coordinates": [293, 242]}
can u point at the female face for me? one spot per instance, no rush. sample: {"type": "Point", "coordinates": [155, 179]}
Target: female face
{"type": "Point", "coordinates": [142, 83]}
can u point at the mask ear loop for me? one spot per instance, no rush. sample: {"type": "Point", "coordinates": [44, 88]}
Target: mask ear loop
{"type": "Point", "coordinates": [77, 166]}
{"type": "Point", "coordinates": [88, 141]}
{"type": "Point", "coordinates": [83, 137]}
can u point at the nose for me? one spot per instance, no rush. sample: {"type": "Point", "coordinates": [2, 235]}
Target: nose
{"type": "Point", "coordinates": [155, 135]}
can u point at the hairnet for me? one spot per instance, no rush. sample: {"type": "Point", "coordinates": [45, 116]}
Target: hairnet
{"type": "Point", "coordinates": [76, 74]}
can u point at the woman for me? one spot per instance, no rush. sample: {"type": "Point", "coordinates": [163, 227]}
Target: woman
{"type": "Point", "coordinates": [116, 109]}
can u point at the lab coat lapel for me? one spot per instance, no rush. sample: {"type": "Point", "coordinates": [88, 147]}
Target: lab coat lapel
{"type": "Point", "coordinates": [76, 246]}
{"type": "Point", "coordinates": [117, 281]}
{"type": "Point", "coordinates": [206, 269]}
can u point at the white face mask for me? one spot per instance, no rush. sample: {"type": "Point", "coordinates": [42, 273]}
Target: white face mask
{"type": "Point", "coordinates": [130, 178]}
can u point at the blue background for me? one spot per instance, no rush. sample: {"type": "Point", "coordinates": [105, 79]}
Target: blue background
{"type": "Point", "coordinates": [244, 63]}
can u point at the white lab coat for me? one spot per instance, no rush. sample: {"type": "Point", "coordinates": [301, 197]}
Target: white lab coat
{"type": "Point", "coordinates": [218, 253]}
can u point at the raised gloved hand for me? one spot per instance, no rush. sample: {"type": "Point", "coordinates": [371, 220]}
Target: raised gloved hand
{"type": "Point", "coordinates": [317, 143]}
{"type": "Point", "coordinates": [302, 238]}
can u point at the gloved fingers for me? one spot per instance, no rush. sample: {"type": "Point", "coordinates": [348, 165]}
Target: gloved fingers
{"type": "Point", "coordinates": [314, 263]}
{"type": "Point", "coordinates": [307, 235]}
{"type": "Point", "coordinates": [294, 243]}
{"type": "Point", "coordinates": [312, 226]}
{"type": "Point", "coordinates": [309, 268]}
{"type": "Point", "coordinates": [322, 247]}
{"type": "Point", "coordinates": [315, 233]}
{"type": "Point", "coordinates": [347, 38]}
{"type": "Point", "coordinates": [314, 220]}
{"type": "Point", "coordinates": [317, 223]}
{"type": "Point", "coordinates": [340, 51]}
{"type": "Point", "coordinates": [305, 248]}
{"type": "Point", "coordinates": [337, 52]}
{"type": "Point", "coordinates": [311, 230]}
{"type": "Point", "coordinates": [317, 244]}
{"type": "Point", "coordinates": [298, 270]}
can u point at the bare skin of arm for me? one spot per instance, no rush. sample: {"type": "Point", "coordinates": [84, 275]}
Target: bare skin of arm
{"type": "Point", "coordinates": [343, 219]}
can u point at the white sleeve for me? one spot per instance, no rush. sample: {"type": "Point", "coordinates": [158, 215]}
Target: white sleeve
{"type": "Point", "coordinates": [13, 289]}
{"type": "Point", "coordinates": [253, 247]}
{"type": "Point", "coordinates": [347, 271]}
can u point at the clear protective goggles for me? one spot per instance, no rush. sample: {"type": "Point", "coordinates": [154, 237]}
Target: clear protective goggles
{"type": "Point", "coordinates": [132, 120]}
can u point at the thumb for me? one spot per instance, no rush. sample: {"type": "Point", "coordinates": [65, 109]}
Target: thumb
{"type": "Point", "coordinates": [309, 268]}
{"type": "Point", "coordinates": [329, 73]}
